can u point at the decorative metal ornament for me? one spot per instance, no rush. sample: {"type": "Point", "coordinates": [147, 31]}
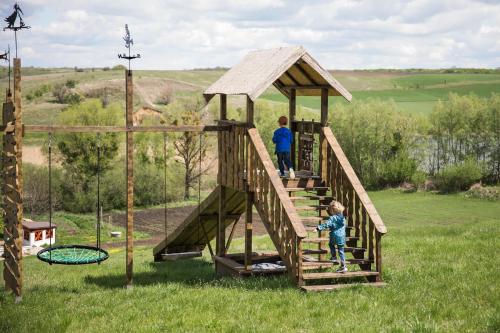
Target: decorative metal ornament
{"type": "Point", "coordinates": [6, 57]}
{"type": "Point", "coordinates": [11, 22]}
{"type": "Point", "coordinates": [128, 44]}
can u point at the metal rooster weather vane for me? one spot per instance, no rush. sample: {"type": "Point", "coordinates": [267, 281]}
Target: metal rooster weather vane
{"type": "Point", "coordinates": [11, 21]}
{"type": "Point", "coordinates": [128, 44]}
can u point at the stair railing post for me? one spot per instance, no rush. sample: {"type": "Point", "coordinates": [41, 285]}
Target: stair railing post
{"type": "Point", "coordinates": [249, 194]}
{"type": "Point", "coordinates": [378, 255]}
{"type": "Point", "coordinates": [292, 106]}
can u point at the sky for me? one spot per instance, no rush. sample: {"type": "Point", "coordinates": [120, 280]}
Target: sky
{"type": "Point", "coordinates": [185, 34]}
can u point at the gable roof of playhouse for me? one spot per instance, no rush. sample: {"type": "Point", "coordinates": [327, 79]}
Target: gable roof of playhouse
{"type": "Point", "coordinates": [284, 67]}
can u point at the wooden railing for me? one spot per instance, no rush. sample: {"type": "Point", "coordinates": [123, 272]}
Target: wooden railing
{"type": "Point", "coordinates": [274, 205]}
{"type": "Point", "coordinates": [346, 188]}
{"type": "Point", "coordinates": [232, 146]}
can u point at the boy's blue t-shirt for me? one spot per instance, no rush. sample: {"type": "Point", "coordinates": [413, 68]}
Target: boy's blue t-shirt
{"type": "Point", "coordinates": [283, 139]}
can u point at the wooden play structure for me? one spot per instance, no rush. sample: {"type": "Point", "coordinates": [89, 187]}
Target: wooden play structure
{"type": "Point", "coordinates": [247, 179]}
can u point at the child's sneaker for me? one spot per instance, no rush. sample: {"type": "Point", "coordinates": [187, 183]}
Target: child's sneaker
{"type": "Point", "coordinates": [291, 174]}
{"type": "Point", "coordinates": [334, 261]}
{"type": "Point", "coordinates": [341, 269]}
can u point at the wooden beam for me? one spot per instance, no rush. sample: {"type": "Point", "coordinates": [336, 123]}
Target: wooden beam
{"type": "Point", "coordinates": [116, 129]}
{"type": "Point", "coordinates": [292, 110]}
{"type": "Point", "coordinates": [223, 107]}
{"type": "Point", "coordinates": [290, 76]}
{"type": "Point", "coordinates": [323, 145]}
{"type": "Point", "coordinates": [130, 178]}
{"type": "Point", "coordinates": [221, 228]}
{"type": "Point", "coordinates": [12, 189]}
{"type": "Point", "coordinates": [303, 72]}
{"type": "Point", "coordinates": [230, 238]}
{"type": "Point", "coordinates": [12, 272]}
{"type": "Point", "coordinates": [248, 231]}
{"type": "Point", "coordinates": [250, 111]}
{"type": "Point", "coordinates": [307, 86]}
{"type": "Point", "coordinates": [281, 87]}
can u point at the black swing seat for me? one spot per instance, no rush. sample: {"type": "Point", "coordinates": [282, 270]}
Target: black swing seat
{"type": "Point", "coordinates": [181, 255]}
{"type": "Point", "coordinates": [73, 255]}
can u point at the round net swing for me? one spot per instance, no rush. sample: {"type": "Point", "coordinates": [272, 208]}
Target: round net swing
{"type": "Point", "coordinates": [73, 255]}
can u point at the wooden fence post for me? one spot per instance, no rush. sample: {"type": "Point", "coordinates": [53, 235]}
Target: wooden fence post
{"type": "Point", "coordinates": [130, 178]}
{"type": "Point", "coordinates": [12, 190]}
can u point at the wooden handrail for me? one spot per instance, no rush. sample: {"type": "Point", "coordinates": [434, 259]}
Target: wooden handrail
{"type": "Point", "coordinates": [275, 180]}
{"type": "Point", "coordinates": [354, 180]}
{"type": "Point", "coordinates": [117, 129]}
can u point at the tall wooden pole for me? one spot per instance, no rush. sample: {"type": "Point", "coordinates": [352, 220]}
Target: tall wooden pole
{"type": "Point", "coordinates": [12, 190]}
{"type": "Point", "coordinates": [292, 110]}
{"type": "Point", "coordinates": [249, 200]}
{"type": "Point", "coordinates": [130, 177]}
{"type": "Point", "coordinates": [323, 143]}
{"type": "Point", "coordinates": [221, 230]}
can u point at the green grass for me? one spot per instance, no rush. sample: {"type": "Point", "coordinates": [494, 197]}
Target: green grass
{"type": "Point", "coordinates": [80, 229]}
{"type": "Point", "coordinates": [440, 265]}
{"type": "Point", "coordinates": [407, 100]}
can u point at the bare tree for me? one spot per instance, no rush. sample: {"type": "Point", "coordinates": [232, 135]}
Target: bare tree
{"type": "Point", "coordinates": [190, 148]}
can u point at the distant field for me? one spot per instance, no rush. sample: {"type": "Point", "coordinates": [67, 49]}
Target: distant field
{"type": "Point", "coordinates": [413, 93]}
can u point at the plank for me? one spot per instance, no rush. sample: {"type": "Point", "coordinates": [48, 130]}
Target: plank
{"type": "Point", "coordinates": [116, 129]}
{"type": "Point", "coordinates": [181, 255]}
{"type": "Point", "coordinates": [332, 287]}
{"type": "Point", "coordinates": [333, 275]}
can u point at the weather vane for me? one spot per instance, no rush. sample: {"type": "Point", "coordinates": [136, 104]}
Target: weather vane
{"type": "Point", "coordinates": [11, 21]}
{"type": "Point", "coordinates": [128, 44]}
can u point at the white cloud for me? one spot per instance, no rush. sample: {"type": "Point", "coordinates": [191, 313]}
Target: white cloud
{"type": "Point", "coordinates": [203, 33]}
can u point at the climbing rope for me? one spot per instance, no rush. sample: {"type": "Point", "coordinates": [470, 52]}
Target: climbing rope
{"type": "Point", "coordinates": [99, 204]}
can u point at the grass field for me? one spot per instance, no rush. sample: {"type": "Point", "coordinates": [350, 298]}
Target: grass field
{"type": "Point", "coordinates": [440, 265]}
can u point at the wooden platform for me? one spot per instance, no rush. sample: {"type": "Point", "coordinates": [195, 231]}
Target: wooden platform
{"type": "Point", "coordinates": [232, 264]}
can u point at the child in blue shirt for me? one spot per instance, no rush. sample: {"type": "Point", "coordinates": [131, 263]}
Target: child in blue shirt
{"type": "Point", "coordinates": [336, 224]}
{"type": "Point", "coordinates": [283, 139]}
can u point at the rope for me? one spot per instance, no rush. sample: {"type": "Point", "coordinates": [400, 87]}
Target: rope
{"type": "Point", "coordinates": [98, 231]}
{"type": "Point", "coordinates": [165, 186]}
{"type": "Point", "coordinates": [50, 195]}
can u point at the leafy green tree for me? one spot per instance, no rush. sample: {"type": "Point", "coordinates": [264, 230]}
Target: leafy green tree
{"type": "Point", "coordinates": [78, 151]}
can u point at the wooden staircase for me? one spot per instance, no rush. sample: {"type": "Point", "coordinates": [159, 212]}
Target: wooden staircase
{"type": "Point", "coordinates": [308, 193]}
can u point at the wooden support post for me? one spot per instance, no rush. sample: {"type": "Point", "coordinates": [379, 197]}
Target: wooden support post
{"type": "Point", "coordinates": [378, 255]}
{"type": "Point", "coordinates": [292, 106]}
{"type": "Point", "coordinates": [250, 110]}
{"type": "Point", "coordinates": [130, 178]}
{"type": "Point", "coordinates": [248, 230]}
{"type": "Point", "coordinates": [221, 230]}
{"type": "Point", "coordinates": [322, 141]}
{"type": "Point", "coordinates": [12, 190]}
{"type": "Point", "coordinates": [223, 107]}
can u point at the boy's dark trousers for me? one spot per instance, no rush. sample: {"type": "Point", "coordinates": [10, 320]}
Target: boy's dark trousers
{"type": "Point", "coordinates": [284, 160]}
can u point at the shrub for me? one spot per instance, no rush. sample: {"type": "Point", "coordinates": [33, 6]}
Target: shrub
{"type": "Point", "coordinates": [458, 177]}
{"type": "Point", "coordinates": [71, 83]}
{"type": "Point", "coordinates": [36, 189]}
{"type": "Point", "coordinates": [119, 68]}
{"type": "Point", "coordinates": [480, 192]}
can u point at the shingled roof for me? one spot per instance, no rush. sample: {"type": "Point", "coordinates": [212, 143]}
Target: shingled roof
{"type": "Point", "coordinates": [285, 68]}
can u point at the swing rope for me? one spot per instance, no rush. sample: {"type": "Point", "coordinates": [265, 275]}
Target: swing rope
{"type": "Point", "coordinates": [74, 254]}
{"type": "Point", "coordinates": [165, 213]}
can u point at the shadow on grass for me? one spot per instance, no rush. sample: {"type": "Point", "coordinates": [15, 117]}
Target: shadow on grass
{"type": "Point", "coordinates": [191, 273]}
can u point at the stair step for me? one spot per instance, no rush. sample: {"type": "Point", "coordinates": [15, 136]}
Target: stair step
{"type": "Point", "coordinates": [332, 275]}
{"type": "Point", "coordinates": [313, 227]}
{"type": "Point", "coordinates": [307, 265]}
{"type": "Point", "coordinates": [313, 188]}
{"type": "Point", "coordinates": [346, 249]}
{"type": "Point", "coordinates": [311, 207]}
{"type": "Point", "coordinates": [325, 239]}
{"type": "Point", "coordinates": [306, 219]}
{"type": "Point", "coordinates": [332, 287]}
{"type": "Point", "coordinates": [312, 197]}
